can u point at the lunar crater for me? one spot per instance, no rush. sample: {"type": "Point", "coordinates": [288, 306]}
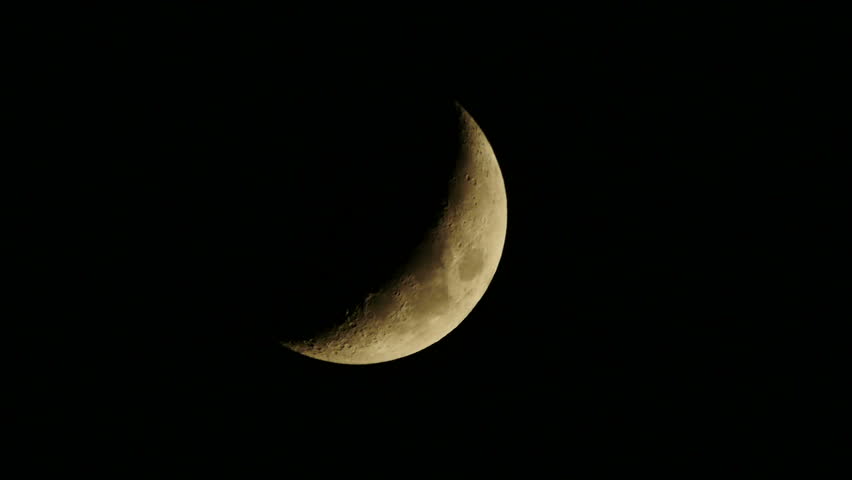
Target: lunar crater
{"type": "Point", "coordinates": [471, 265]}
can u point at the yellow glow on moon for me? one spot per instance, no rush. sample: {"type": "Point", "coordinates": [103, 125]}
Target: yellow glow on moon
{"type": "Point", "coordinates": [444, 278]}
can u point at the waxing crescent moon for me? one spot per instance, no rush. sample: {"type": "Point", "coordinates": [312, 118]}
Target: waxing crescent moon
{"type": "Point", "coordinates": [445, 277]}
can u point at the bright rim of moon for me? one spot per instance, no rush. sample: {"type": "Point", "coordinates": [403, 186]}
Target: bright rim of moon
{"type": "Point", "coordinates": [445, 277]}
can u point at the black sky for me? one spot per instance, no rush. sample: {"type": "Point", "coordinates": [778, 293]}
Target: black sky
{"type": "Point", "coordinates": [202, 175]}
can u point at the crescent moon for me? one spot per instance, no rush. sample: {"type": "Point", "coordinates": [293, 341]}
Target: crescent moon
{"type": "Point", "coordinates": [445, 277]}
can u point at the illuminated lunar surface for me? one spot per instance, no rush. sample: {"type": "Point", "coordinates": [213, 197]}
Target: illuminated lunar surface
{"type": "Point", "coordinates": [445, 277]}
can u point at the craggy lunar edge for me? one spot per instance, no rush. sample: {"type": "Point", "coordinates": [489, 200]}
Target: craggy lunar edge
{"type": "Point", "coordinates": [445, 277]}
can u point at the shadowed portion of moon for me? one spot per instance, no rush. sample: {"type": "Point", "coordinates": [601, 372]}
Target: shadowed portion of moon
{"type": "Point", "coordinates": [434, 269]}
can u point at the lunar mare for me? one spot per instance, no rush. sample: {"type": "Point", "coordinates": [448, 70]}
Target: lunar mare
{"type": "Point", "coordinates": [444, 278]}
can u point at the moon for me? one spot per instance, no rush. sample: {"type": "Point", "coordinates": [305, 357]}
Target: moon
{"type": "Point", "coordinates": [443, 279]}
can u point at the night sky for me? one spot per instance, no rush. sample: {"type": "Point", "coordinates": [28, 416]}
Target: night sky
{"type": "Point", "coordinates": [220, 176]}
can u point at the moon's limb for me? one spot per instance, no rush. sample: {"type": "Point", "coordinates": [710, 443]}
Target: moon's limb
{"type": "Point", "coordinates": [445, 277]}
